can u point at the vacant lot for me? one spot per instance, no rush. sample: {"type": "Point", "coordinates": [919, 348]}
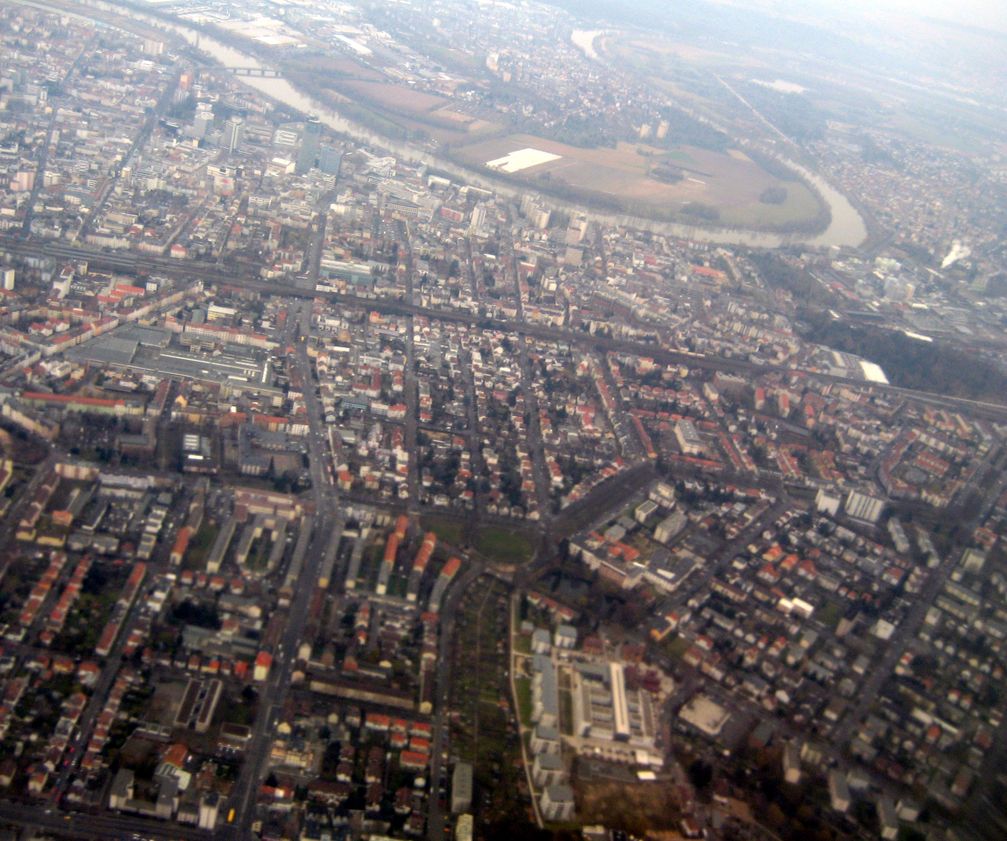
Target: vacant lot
{"type": "Point", "coordinates": [635, 807]}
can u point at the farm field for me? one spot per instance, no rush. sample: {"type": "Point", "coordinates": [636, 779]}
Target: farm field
{"type": "Point", "coordinates": [650, 53]}
{"type": "Point", "coordinates": [329, 67]}
{"type": "Point", "coordinates": [729, 182]}
{"type": "Point", "coordinates": [415, 109]}
{"type": "Point", "coordinates": [397, 97]}
{"type": "Point", "coordinates": [366, 94]}
{"type": "Point", "coordinates": [800, 204]}
{"type": "Point", "coordinates": [667, 60]}
{"type": "Point", "coordinates": [443, 125]}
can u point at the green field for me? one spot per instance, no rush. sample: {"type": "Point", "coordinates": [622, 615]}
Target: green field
{"type": "Point", "coordinates": [200, 545]}
{"type": "Point", "coordinates": [448, 531]}
{"type": "Point", "coordinates": [830, 614]}
{"type": "Point", "coordinates": [566, 712]}
{"type": "Point", "coordinates": [675, 646]}
{"type": "Point", "coordinates": [523, 688]}
{"type": "Point", "coordinates": [504, 545]}
{"type": "Point", "coordinates": [482, 724]}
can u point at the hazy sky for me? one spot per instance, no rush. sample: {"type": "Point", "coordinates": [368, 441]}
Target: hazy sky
{"type": "Point", "coordinates": [990, 14]}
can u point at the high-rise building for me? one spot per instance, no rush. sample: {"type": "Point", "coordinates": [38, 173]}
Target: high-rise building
{"type": "Point", "coordinates": [307, 155]}
{"type": "Point", "coordinates": [478, 219]}
{"type": "Point", "coordinates": [330, 160]}
{"type": "Point", "coordinates": [232, 134]}
{"type": "Point", "coordinates": [202, 121]}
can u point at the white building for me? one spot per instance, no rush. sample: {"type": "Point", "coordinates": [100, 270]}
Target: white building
{"type": "Point", "coordinates": [791, 763]}
{"type": "Point", "coordinates": [867, 509]}
{"type": "Point", "coordinates": [209, 807]}
{"type": "Point", "coordinates": [540, 641]}
{"type": "Point", "coordinates": [827, 503]}
{"type": "Point", "coordinates": [463, 828]}
{"type": "Point", "coordinates": [461, 788]}
{"type": "Point", "coordinates": [620, 706]}
{"type": "Point", "coordinates": [547, 769]}
{"type": "Point", "coordinates": [839, 791]}
{"type": "Point", "coordinates": [888, 820]}
{"type": "Point", "coordinates": [544, 739]}
{"type": "Point", "coordinates": [544, 692]}
{"type": "Point", "coordinates": [565, 637]}
{"type": "Point", "coordinates": [605, 711]}
{"type": "Point", "coordinates": [121, 791]}
{"type": "Point", "coordinates": [644, 510]}
{"type": "Point", "coordinates": [898, 535]}
{"type": "Point", "coordinates": [557, 803]}
{"type": "Point", "coordinates": [688, 438]}
{"type": "Point", "coordinates": [478, 219]}
{"type": "Point", "coordinates": [670, 527]}
{"type": "Point", "coordinates": [908, 810]}
{"type": "Point", "coordinates": [663, 494]}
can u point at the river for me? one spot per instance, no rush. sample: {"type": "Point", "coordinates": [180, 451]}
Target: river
{"type": "Point", "coordinates": [846, 227]}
